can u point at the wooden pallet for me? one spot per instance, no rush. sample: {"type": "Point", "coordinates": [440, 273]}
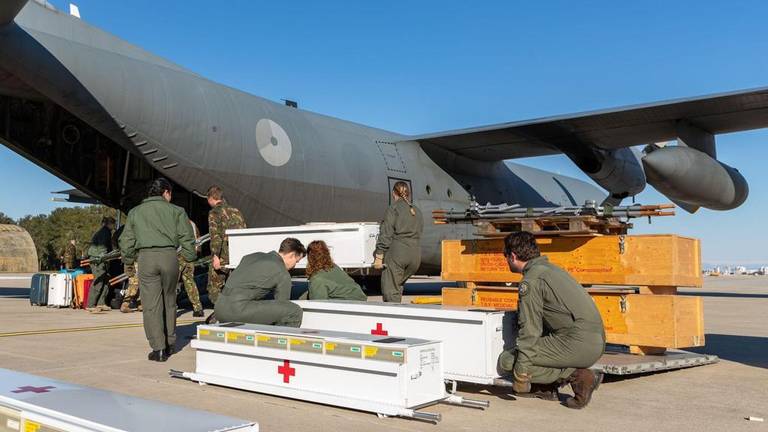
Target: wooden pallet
{"type": "Point", "coordinates": [560, 225]}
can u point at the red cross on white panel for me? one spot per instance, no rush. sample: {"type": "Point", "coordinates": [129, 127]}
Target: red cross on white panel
{"type": "Point", "coordinates": [287, 371]}
{"type": "Point", "coordinates": [379, 330]}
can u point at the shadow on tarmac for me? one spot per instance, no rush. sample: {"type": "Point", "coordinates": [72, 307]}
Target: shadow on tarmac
{"type": "Point", "coordinates": [748, 350]}
{"type": "Point", "coordinates": [14, 293]}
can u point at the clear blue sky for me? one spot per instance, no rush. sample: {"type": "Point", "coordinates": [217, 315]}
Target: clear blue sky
{"type": "Point", "coordinates": [421, 66]}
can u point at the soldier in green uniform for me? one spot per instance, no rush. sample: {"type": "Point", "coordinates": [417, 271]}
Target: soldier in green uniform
{"type": "Point", "coordinates": [258, 275]}
{"type": "Point", "coordinates": [398, 251]}
{"type": "Point", "coordinates": [101, 244]}
{"type": "Point", "coordinates": [187, 273]}
{"type": "Point", "coordinates": [70, 252]}
{"type": "Point", "coordinates": [221, 218]}
{"type": "Point", "coordinates": [155, 229]}
{"type": "Point", "coordinates": [326, 279]}
{"type": "Point", "coordinates": [560, 331]}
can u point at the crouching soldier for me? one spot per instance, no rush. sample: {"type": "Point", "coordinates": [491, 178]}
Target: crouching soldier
{"type": "Point", "coordinates": [258, 275]}
{"type": "Point", "coordinates": [560, 329]}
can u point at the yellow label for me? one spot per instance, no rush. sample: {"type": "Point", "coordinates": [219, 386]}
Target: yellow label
{"type": "Point", "coordinates": [330, 346]}
{"type": "Point", "coordinates": [371, 351]}
{"type": "Point", "coordinates": [30, 426]}
{"type": "Point", "coordinates": [298, 341]}
{"type": "Point", "coordinates": [205, 332]}
{"type": "Point", "coordinates": [262, 338]}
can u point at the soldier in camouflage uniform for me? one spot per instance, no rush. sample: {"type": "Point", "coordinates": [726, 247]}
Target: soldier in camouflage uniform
{"type": "Point", "coordinates": [221, 218]}
{"type": "Point", "coordinates": [70, 252]}
{"type": "Point", "coordinates": [187, 273]}
{"type": "Point", "coordinates": [132, 290]}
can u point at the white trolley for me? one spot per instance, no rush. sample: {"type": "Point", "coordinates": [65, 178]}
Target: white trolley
{"type": "Point", "coordinates": [352, 244]}
{"type": "Point", "coordinates": [33, 403]}
{"type": "Point", "coordinates": [387, 376]}
{"type": "Point", "coordinates": [472, 338]}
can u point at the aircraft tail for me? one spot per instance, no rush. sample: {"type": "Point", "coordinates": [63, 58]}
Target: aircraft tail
{"type": "Point", "coordinates": [9, 9]}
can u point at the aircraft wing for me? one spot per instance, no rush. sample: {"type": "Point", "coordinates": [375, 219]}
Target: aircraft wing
{"type": "Point", "coordinates": [608, 129]}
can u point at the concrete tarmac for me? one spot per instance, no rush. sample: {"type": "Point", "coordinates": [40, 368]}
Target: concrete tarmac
{"type": "Point", "coordinates": [708, 398]}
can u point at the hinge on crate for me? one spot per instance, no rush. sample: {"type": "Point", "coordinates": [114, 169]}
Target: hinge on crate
{"type": "Point", "coordinates": [623, 304]}
{"type": "Point", "coordinates": [621, 244]}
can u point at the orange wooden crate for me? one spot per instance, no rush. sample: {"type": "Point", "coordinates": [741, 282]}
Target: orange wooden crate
{"type": "Point", "coordinates": [637, 260]}
{"type": "Point", "coordinates": [665, 321]}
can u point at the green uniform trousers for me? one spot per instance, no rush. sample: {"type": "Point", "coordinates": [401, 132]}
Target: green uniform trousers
{"type": "Point", "coordinates": [268, 312]}
{"type": "Point", "coordinates": [216, 280]}
{"type": "Point", "coordinates": [401, 261]}
{"type": "Point", "coordinates": [558, 356]}
{"type": "Point", "coordinates": [158, 275]}
{"type": "Point", "coordinates": [100, 287]}
{"type": "Point", "coordinates": [187, 272]}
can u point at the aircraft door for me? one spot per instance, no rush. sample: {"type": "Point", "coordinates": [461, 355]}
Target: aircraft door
{"type": "Point", "coordinates": [395, 165]}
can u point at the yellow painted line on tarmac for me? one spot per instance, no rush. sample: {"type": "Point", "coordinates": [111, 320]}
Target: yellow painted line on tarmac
{"type": "Point", "coordinates": [83, 329]}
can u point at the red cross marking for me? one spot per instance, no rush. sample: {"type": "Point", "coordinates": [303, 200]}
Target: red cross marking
{"type": "Point", "coordinates": [287, 371]}
{"type": "Point", "coordinates": [379, 330]}
{"type": "Point", "coordinates": [28, 389]}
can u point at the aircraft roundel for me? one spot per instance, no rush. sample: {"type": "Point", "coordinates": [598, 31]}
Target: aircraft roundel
{"type": "Point", "coordinates": [274, 144]}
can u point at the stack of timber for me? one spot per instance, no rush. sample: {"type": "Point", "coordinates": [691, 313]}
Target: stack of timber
{"type": "Point", "coordinates": [499, 220]}
{"type": "Point", "coordinates": [639, 307]}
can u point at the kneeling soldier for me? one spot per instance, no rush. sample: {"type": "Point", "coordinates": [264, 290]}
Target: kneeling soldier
{"type": "Point", "coordinates": [258, 275]}
{"type": "Point", "coordinates": [560, 329]}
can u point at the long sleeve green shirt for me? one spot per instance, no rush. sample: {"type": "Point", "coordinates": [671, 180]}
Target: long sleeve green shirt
{"type": "Point", "coordinates": [399, 225]}
{"type": "Point", "coordinates": [334, 283]}
{"type": "Point", "coordinates": [552, 303]}
{"type": "Point", "coordinates": [258, 275]}
{"type": "Point", "coordinates": [156, 223]}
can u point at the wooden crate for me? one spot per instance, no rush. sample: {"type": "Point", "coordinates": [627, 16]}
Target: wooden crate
{"type": "Point", "coordinates": [650, 323]}
{"type": "Point", "coordinates": [635, 260]}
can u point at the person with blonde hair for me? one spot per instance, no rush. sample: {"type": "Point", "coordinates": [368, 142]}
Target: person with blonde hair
{"type": "Point", "coordinates": [326, 279]}
{"type": "Point", "coordinates": [398, 251]}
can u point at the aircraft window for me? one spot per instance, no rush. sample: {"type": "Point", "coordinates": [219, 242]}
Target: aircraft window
{"type": "Point", "coordinates": [429, 189]}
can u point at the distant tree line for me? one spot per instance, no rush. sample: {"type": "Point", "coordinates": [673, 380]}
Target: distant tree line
{"type": "Point", "coordinates": [51, 232]}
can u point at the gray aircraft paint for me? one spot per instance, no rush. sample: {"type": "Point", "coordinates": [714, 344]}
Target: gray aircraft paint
{"type": "Point", "coordinates": [311, 168]}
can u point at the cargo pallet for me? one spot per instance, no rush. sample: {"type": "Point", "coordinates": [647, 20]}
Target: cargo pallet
{"type": "Point", "coordinates": [638, 277]}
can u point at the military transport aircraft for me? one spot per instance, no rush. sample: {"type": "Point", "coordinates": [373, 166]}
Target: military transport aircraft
{"type": "Point", "coordinates": [107, 117]}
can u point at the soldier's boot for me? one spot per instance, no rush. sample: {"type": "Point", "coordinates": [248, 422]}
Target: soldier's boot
{"type": "Point", "coordinates": [211, 319]}
{"type": "Point", "coordinates": [158, 356]}
{"type": "Point", "coordinates": [546, 392]}
{"type": "Point", "coordinates": [583, 382]}
{"type": "Point", "coordinates": [104, 308]}
{"type": "Point", "coordinates": [93, 310]}
{"type": "Point", "coordinates": [125, 307]}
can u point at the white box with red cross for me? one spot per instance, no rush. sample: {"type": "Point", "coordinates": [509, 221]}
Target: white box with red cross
{"type": "Point", "coordinates": [35, 403]}
{"type": "Point", "coordinates": [385, 375]}
{"type": "Point", "coordinates": [473, 338]}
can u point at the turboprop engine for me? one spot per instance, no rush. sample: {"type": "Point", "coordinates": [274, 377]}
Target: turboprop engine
{"type": "Point", "coordinates": [618, 171]}
{"type": "Point", "coordinates": [693, 179]}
